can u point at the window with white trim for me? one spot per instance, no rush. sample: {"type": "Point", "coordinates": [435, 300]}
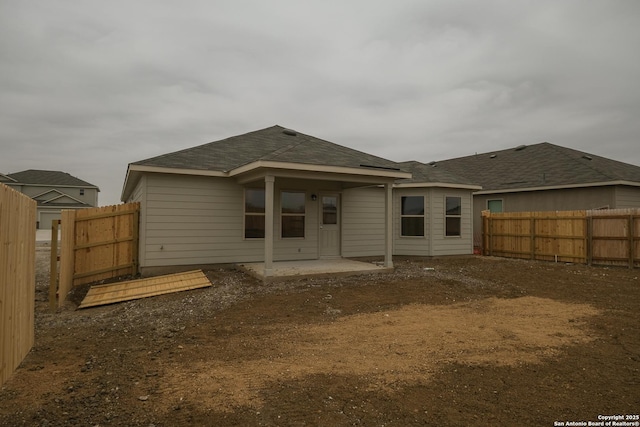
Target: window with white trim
{"type": "Point", "coordinates": [292, 213]}
{"type": "Point", "coordinates": [453, 216]}
{"type": "Point", "coordinates": [254, 213]}
{"type": "Point", "coordinates": [412, 216]}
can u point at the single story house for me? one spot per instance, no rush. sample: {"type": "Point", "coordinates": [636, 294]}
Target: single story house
{"type": "Point", "coordinates": [276, 194]}
{"type": "Point", "coordinates": [545, 177]}
{"type": "Point", "coordinates": [53, 191]}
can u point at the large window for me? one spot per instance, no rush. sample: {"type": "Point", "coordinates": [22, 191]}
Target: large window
{"type": "Point", "coordinates": [292, 213]}
{"type": "Point", "coordinates": [254, 213]}
{"type": "Point", "coordinates": [412, 216]}
{"type": "Point", "coordinates": [453, 216]}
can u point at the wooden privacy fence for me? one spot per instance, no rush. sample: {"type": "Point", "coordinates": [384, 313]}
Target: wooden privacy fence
{"type": "Point", "coordinates": [95, 244]}
{"type": "Point", "coordinates": [17, 278]}
{"type": "Point", "coordinates": [606, 237]}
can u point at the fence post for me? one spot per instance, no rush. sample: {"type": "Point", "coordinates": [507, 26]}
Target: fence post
{"type": "Point", "coordinates": [631, 241]}
{"type": "Point", "coordinates": [67, 254]}
{"type": "Point", "coordinates": [533, 237]}
{"type": "Point", "coordinates": [486, 225]}
{"type": "Point", "coordinates": [53, 277]}
{"type": "Point", "coordinates": [589, 239]}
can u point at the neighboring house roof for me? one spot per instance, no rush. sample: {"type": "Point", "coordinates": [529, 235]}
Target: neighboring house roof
{"type": "Point", "coordinates": [49, 178]}
{"type": "Point", "coordinates": [275, 143]}
{"type": "Point", "coordinates": [6, 178]}
{"type": "Point", "coordinates": [422, 174]}
{"type": "Point", "coordinates": [539, 166]}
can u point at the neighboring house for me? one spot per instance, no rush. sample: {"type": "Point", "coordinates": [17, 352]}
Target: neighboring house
{"type": "Point", "coordinates": [53, 191]}
{"type": "Point", "coordinates": [545, 177]}
{"type": "Point", "coordinates": [276, 194]}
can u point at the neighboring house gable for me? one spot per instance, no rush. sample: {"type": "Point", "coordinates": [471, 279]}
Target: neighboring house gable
{"type": "Point", "coordinates": [53, 190]}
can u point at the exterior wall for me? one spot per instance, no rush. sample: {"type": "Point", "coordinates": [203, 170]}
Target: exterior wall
{"type": "Point", "coordinates": [411, 245]}
{"type": "Point", "coordinates": [189, 220]}
{"type": "Point", "coordinates": [363, 222]}
{"type": "Point", "coordinates": [90, 196]}
{"type": "Point", "coordinates": [200, 220]}
{"type": "Point", "coordinates": [448, 245]}
{"type": "Point", "coordinates": [544, 200]}
{"type": "Point", "coordinates": [627, 197]}
{"type": "Point", "coordinates": [434, 242]}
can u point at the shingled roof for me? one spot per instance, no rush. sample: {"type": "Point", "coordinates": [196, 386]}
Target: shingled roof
{"type": "Point", "coordinates": [430, 173]}
{"type": "Point", "coordinates": [45, 177]}
{"type": "Point", "coordinates": [275, 143]}
{"type": "Point", "coordinates": [539, 166]}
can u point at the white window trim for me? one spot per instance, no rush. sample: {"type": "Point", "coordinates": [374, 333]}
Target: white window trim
{"type": "Point", "coordinates": [423, 216]}
{"type": "Point", "coordinates": [444, 229]}
{"type": "Point", "coordinates": [282, 214]}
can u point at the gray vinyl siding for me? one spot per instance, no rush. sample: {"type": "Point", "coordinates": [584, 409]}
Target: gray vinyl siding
{"type": "Point", "coordinates": [411, 245]}
{"type": "Point", "coordinates": [363, 222]}
{"type": "Point", "coordinates": [200, 220]}
{"type": "Point", "coordinates": [195, 220]}
{"type": "Point", "coordinates": [570, 199]}
{"type": "Point", "coordinates": [448, 245]}
{"type": "Point", "coordinates": [627, 197]}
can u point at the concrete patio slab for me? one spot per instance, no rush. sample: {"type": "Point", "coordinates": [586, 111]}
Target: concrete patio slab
{"type": "Point", "coordinates": [284, 270]}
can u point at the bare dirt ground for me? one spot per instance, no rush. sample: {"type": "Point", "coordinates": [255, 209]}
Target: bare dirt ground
{"type": "Point", "coordinates": [478, 341]}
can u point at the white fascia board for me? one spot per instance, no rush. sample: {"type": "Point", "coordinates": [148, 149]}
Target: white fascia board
{"type": "Point", "coordinates": [64, 195]}
{"type": "Point", "coordinates": [175, 171]}
{"type": "Point", "coordinates": [559, 187]}
{"type": "Point", "coordinates": [374, 172]}
{"type": "Point", "coordinates": [438, 184]}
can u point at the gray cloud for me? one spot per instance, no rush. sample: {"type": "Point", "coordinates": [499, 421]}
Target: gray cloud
{"type": "Point", "coordinates": [87, 87]}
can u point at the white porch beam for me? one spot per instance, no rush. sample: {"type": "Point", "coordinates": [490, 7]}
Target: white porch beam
{"type": "Point", "coordinates": [269, 186]}
{"type": "Point", "coordinates": [388, 225]}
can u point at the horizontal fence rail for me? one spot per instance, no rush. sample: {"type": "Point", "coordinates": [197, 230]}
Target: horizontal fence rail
{"type": "Point", "coordinates": [605, 237]}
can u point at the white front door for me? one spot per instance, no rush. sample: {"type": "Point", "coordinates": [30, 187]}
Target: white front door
{"type": "Point", "coordinates": [329, 225]}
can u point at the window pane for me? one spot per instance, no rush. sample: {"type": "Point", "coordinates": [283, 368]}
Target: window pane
{"type": "Point", "coordinates": [453, 226]}
{"type": "Point", "coordinates": [329, 210]}
{"type": "Point", "coordinates": [412, 205]}
{"type": "Point", "coordinates": [254, 200]}
{"type": "Point", "coordinates": [293, 226]}
{"type": "Point", "coordinates": [494, 205]}
{"type": "Point", "coordinates": [454, 206]}
{"type": "Point", "coordinates": [254, 226]}
{"type": "Point", "coordinates": [292, 202]}
{"type": "Point", "coordinates": [413, 226]}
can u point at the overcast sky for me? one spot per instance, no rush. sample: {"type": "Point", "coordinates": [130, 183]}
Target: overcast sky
{"type": "Point", "coordinates": [87, 87]}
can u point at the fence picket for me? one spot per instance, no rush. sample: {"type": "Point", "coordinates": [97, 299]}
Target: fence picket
{"type": "Point", "coordinates": [609, 237]}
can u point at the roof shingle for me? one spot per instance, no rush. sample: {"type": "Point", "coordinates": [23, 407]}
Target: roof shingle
{"type": "Point", "coordinates": [538, 165]}
{"type": "Point", "coordinates": [45, 177]}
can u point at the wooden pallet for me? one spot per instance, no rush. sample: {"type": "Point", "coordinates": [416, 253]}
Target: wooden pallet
{"type": "Point", "coordinates": [143, 288]}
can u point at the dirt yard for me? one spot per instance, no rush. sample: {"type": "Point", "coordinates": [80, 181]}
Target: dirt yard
{"type": "Point", "coordinates": [478, 341]}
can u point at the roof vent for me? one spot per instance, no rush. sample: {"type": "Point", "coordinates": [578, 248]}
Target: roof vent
{"type": "Point", "coordinates": [586, 157]}
{"type": "Point", "coordinates": [520, 147]}
{"type": "Point", "coordinates": [493, 156]}
{"type": "Point", "coordinates": [432, 163]}
{"type": "Point", "coordinates": [290, 132]}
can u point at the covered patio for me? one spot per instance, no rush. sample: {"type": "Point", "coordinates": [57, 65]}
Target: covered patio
{"type": "Point", "coordinates": [285, 270]}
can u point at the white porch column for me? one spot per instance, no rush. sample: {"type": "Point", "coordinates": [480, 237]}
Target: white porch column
{"type": "Point", "coordinates": [268, 224]}
{"type": "Point", "coordinates": [388, 225]}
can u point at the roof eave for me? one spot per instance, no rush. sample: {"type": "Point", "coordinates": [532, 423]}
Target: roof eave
{"type": "Point", "coordinates": [560, 187]}
{"type": "Point", "coordinates": [438, 184]}
{"type": "Point", "coordinates": [369, 171]}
